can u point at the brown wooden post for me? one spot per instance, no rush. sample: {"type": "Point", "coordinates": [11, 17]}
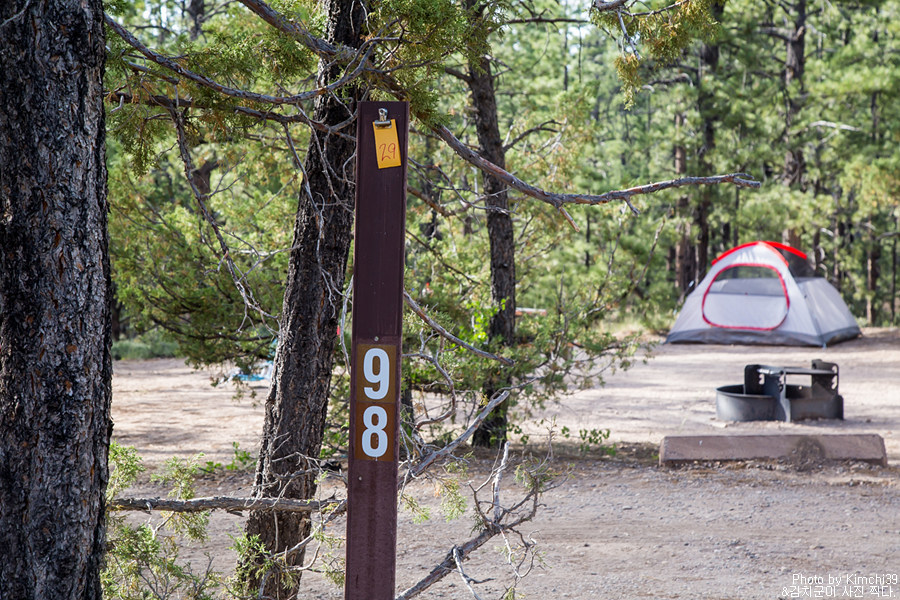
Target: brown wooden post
{"type": "Point", "coordinates": [382, 131]}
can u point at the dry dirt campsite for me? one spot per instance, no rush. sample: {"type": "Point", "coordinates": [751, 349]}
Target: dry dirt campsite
{"type": "Point", "coordinates": [618, 527]}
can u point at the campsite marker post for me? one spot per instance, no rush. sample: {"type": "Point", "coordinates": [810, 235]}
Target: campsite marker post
{"type": "Point", "coordinates": [382, 132]}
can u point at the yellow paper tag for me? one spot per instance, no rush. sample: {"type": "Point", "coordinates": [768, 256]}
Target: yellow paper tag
{"type": "Point", "coordinates": [387, 146]}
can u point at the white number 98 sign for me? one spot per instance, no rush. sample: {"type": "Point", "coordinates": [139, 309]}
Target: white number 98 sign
{"type": "Point", "coordinates": [376, 407]}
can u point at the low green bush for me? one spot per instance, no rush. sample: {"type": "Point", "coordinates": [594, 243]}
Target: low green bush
{"type": "Point", "coordinates": [152, 344]}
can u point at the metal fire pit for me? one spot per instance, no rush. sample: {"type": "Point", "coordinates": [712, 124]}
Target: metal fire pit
{"type": "Point", "coordinates": [766, 395]}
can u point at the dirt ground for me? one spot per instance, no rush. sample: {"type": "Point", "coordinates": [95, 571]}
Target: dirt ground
{"type": "Point", "coordinates": [613, 527]}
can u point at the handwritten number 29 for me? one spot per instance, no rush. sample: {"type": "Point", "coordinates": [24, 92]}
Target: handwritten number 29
{"type": "Point", "coordinates": [388, 151]}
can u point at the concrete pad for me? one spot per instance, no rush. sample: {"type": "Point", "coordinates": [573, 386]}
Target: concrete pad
{"type": "Point", "coordinates": [802, 449]}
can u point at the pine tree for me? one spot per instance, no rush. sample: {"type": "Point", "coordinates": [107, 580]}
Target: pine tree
{"type": "Point", "coordinates": [55, 362]}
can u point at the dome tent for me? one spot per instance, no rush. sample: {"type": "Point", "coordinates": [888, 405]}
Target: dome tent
{"type": "Point", "coordinates": [764, 293]}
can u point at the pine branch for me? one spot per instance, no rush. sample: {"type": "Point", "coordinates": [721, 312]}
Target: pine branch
{"type": "Point", "coordinates": [361, 58]}
{"type": "Point", "coordinates": [318, 46]}
{"type": "Point", "coordinates": [659, 11]}
{"type": "Point", "coordinates": [246, 293]}
{"type": "Point", "coordinates": [120, 98]}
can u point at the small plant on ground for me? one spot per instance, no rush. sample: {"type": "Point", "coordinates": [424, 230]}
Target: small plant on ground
{"type": "Point", "coordinates": [590, 439]}
{"type": "Point", "coordinates": [142, 560]}
{"type": "Point", "coordinates": [243, 459]}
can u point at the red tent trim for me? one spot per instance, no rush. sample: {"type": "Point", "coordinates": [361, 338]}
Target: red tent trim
{"type": "Point", "coordinates": [774, 245]}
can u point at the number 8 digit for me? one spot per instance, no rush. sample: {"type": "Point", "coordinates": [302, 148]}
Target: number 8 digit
{"type": "Point", "coordinates": [374, 431]}
{"type": "Point", "coordinates": [382, 377]}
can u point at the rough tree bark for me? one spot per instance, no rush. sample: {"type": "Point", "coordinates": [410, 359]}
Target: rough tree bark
{"type": "Point", "coordinates": [480, 81]}
{"type": "Point", "coordinates": [685, 254]}
{"type": "Point", "coordinates": [709, 114]}
{"type": "Point", "coordinates": [692, 250]}
{"type": "Point", "coordinates": [794, 67]}
{"type": "Point", "coordinates": [873, 274]}
{"type": "Point", "coordinates": [794, 171]}
{"type": "Point", "coordinates": [297, 402]}
{"type": "Point", "coordinates": [55, 361]}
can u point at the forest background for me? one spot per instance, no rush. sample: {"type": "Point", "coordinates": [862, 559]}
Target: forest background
{"type": "Point", "coordinates": [209, 106]}
{"type": "Point", "coordinates": [209, 110]}
{"type": "Point", "coordinates": [797, 95]}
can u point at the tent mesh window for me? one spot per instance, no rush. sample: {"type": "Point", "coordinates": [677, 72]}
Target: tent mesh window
{"type": "Point", "coordinates": [748, 279]}
{"type": "Point", "coordinates": [746, 297]}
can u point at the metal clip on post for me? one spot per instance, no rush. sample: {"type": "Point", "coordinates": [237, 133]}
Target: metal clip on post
{"type": "Point", "coordinates": [382, 118]}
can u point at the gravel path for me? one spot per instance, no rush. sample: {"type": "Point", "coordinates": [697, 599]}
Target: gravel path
{"type": "Point", "coordinates": [617, 527]}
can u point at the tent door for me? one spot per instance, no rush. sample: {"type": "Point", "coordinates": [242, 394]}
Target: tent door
{"type": "Point", "coordinates": [746, 296]}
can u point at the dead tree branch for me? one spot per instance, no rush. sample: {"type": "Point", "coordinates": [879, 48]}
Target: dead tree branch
{"type": "Point", "coordinates": [501, 521]}
{"type": "Point", "coordinates": [246, 293]}
{"type": "Point", "coordinates": [425, 463]}
{"type": "Point", "coordinates": [333, 506]}
{"type": "Point", "coordinates": [121, 98]}
{"type": "Point", "coordinates": [560, 200]}
{"type": "Point", "coordinates": [601, 6]}
{"type": "Point", "coordinates": [230, 504]}
{"type": "Point", "coordinates": [449, 336]}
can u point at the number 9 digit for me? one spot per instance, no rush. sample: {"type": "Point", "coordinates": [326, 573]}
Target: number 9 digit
{"type": "Point", "coordinates": [381, 377]}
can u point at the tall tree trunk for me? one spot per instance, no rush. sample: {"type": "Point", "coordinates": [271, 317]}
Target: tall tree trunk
{"type": "Point", "coordinates": [297, 402]}
{"type": "Point", "coordinates": [692, 249]}
{"type": "Point", "coordinates": [701, 220]}
{"type": "Point", "coordinates": [501, 237]}
{"type": "Point", "coordinates": [196, 10]}
{"type": "Point", "coordinates": [55, 362]}
{"type": "Point", "coordinates": [894, 297]}
{"type": "Point", "coordinates": [794, 68]}
{"type": "Point", "coordinates": [706, 107]}
{"type": "Point", "coordinates": [794, 169]}
{"type": "Point", "coordinates": [873, 274]}
{"type": "Point", "coordinates": [685, 264]}
{"type": "Point", "coordinates": [735, 229]}
{"type": "Point", "coordinates": [873, 252]}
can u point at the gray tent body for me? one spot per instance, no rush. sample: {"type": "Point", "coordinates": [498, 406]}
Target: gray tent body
{"type": "Point", "coordinates": [763, 293]}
